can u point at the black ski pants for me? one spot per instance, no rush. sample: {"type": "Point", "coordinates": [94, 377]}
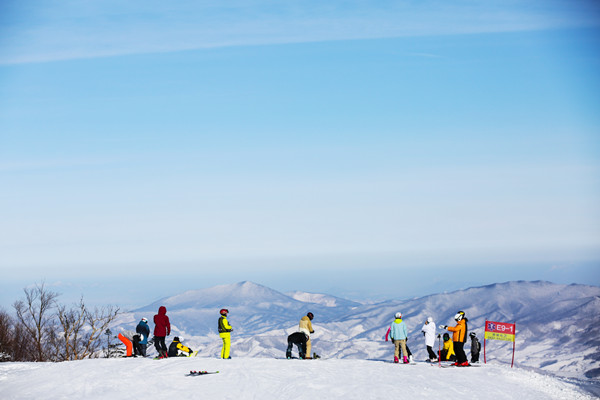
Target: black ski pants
{"type": "Point", "coordinates": [459, 349]}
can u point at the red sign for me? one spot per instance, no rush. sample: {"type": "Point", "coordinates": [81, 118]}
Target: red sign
{"type": "Point", "coordinates": [500, 331]}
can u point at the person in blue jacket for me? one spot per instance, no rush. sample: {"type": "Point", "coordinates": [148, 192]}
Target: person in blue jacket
{"type": "Point", "coordinates": [144, 331]}
{"type": "Point", "coordinates": [399, 334]}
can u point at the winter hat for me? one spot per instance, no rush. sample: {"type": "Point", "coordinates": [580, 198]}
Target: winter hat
{"type": "Point", "coordinates": [398, 315]}
{"type": "Point", "coordinates": [310, 316]}
{"type": "Point", "coordinates": [430, 319]}
{"type": "Point", "coordinates": [446, 337]}
{"type": "Point", "coordinates": [145, 320]}
{"type": "Point", "coordinates": [176, 339]}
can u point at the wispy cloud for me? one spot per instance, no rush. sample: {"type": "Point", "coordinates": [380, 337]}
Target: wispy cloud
{"type": "Point", "coordinates": [59, 30]}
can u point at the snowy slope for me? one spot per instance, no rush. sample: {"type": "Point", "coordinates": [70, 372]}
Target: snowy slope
{"type": "Point", "coordinates": [557, 325]}
{"type": "Point", "coordinates": [262, 378]}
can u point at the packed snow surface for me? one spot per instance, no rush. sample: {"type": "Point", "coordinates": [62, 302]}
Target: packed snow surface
{"type": "Point", "coordinates": [264, 378]}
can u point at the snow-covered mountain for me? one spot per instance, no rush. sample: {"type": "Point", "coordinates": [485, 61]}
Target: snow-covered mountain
{"type": "Point", "coordinates": [557, 325]}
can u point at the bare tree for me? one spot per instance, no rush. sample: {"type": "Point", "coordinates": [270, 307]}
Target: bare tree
{"type": "Point", "coordinates": [80, 330]}
{"type": "Point", "coordinates": [34, 315]}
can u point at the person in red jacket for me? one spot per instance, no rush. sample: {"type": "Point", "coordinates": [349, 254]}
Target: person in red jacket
{"type": "Point", "coordinates": [162, 329]}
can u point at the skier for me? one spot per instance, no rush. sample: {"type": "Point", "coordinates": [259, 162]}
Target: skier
{"type": "Point", "coordinates": [162, 329]}
{"type": "Point", "coordinates": [447, 353]}
{"type": "Point", "coordinates": [305, 326]}
{"type": "Point", "coordinates": [299, 339]}
{"type": "Point", "coordinates": [459, 336]}
{"type": "Point", "coordinates": [128, 338]}
{"type": "Point", "coordinates": [475, 347]}
{"type": "Point", "coordinates": [225, 333]}
{"type": "Point", "coordinates": [428, 330]}
{"type": "Point", "coordinates": [410, 356]}
{"type": "Point", "coordinates": [176, 349]}
{"type": "Point", "coordinates": [143, 330]}
{"type": "Point", "coordinates": [399, 335]}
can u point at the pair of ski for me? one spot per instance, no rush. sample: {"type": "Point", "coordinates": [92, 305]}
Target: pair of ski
{"type": "Point", "coordinates": [198, 373]}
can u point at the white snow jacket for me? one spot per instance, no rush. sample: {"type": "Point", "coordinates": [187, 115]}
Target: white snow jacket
{"type": "Point", "coordinates": [429, 331]}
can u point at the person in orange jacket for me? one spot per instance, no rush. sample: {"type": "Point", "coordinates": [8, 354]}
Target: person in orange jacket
{"type": "Point", "coordinates": [459, 336]}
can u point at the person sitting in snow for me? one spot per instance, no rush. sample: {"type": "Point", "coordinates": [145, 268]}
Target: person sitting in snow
{"type": "Point", "coordinates": [176, 349]}
{"type": "Point", "coordinates": [459, 336]}
{"type": "Point", "coordinates": [143, 330]}
{"type": "Point", "coordinates": [447, 353]}
{"type": "Point", "coordinates": [305, 326]}
{"type": "Point", "coordinates": [299, 339]}
{"type": "Point", "coordinates": [399, 334]}
{"type": "Point", "coordinates": [475, 347]}
{"type": "Point", "coordinates": [428, 330]}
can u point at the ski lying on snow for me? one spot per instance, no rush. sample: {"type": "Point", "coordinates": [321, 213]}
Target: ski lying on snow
{"type": "Point", "coordinates": [197, 373]}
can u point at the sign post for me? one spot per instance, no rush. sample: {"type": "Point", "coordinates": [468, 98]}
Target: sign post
{"type": "Point", "coordinates": [500, 331]}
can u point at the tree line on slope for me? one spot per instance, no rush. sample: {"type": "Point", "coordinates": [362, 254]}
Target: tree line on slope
{"type": "Point", "coordinates": [42, 329]}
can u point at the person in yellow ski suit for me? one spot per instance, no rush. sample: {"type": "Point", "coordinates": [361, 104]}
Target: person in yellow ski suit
{"type": "Point", "coordinates": [305, 326]}
{"type": "Point", "coordinates": [225, 333]}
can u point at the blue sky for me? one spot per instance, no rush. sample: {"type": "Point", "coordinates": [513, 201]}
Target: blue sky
{"type": "Point", "coordinates": [146, 148]}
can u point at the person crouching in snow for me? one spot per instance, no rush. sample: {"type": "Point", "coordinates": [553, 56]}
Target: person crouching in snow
{"type": "Point", "coordinates": [225, 333]}
{"type": "Point", "coordinates": [299, 339]}
{"type": "Point", "coordinates": [475, 347]}
{"type": "Point", "coordinates": [447, 353]}
{"type": "Point", "coordinates": [459, 336]}
{"type": "Point", "coordinates": [428, 330]}
{"type": "Point", "coordinates": [305, 326]}
{"type": "Point", "coordinates": [129, 339]}
{"type": "Point", "coordinates": [399, 334]}
{"type": "Point", "coordinates": [176, 349]}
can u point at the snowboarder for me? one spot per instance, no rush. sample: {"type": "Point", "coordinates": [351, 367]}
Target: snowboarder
{"type": "Point", "coordinates": [162, 329]}
{"type": "Point", "coordinates": [225, 333]}
{"type": "Point", "coordinates": [475, 347]}
{"type": "Point", "coordinates": [176, 349]}
{"type": "Point", "coordinates": [459, 336]}
{"type": "Point", "coordinates": [447, 353]}
{"type": "Point", "coordinates": [399, 334]}
{"type": "Point", "coordinates": [143, 330]}
{"type": "Point", "coordinates": [299, 339]}
{"type": "Point", "coordinates": [305, 326]}
{"type": "Point", "coordinates": [428, 330]}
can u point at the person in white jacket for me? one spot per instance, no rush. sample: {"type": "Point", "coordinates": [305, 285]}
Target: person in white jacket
{"type": "Point", "coordinates": [428, 330]}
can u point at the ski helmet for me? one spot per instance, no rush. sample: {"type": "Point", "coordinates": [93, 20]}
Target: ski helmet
{"type": "Point", "coordinates": [176, 339]}
{"type": "Point", "coordinates": [459, 315]}
{"type": "Point", "coordinates": [446, 337]}
{"type": "Point", "coordinates": [398, 315]}
{"type": "Point", "coordinates": [224, 311]}
{"type": "Point", "coordinates": [145, 320]}
{"type": "Point", "coordinates": [430, 319]}
{"type": "Point", "coordinates": [310, 316]}
{"type": "Point", "coordinates": [472, 334]}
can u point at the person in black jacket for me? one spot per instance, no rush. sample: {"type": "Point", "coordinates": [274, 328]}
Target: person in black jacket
{"type": "Point", "coordinates": [299, 339]}
{"type": "Point", "coordinates": [475, 347]}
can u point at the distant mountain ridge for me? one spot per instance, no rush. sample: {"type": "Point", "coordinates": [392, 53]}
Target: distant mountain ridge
{"type": "Point", "coordinates": [557, 325]}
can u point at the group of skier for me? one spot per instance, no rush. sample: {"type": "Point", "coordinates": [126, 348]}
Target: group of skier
{"type": "Point", "coordinates": [453, 349]}
{"type": "Point", "coordinates": [136, 343]}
